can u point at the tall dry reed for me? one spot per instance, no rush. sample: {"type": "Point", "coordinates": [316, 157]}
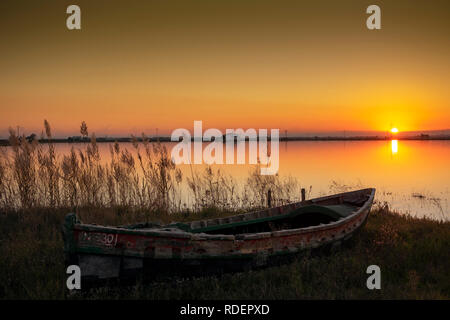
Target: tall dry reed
{"type": "Point", "coordinates": [34, 175]}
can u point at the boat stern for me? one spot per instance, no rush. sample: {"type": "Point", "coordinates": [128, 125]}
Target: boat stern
{"type": "Point", "coordinates": [70, 221]}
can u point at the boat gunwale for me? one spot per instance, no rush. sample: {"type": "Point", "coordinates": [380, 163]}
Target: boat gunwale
{"type": "Point", "coordinates": [251, 236]}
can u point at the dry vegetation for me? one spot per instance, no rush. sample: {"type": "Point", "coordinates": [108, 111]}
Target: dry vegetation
{"type": "Point", "coordinates": [33, 175]}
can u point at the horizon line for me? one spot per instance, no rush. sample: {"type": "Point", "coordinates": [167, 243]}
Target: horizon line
{"type": "Point", "coordinates": [290, 134]}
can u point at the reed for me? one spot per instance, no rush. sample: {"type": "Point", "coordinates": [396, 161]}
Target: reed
{"type": "Point", "coordinates": [48, 170]}
{"type": "Point", "coordinates": [23, 166]}
{"type": "Point", "coordinates": [34, 175]}
{"type": "Point", "coordinates": [283, 189]}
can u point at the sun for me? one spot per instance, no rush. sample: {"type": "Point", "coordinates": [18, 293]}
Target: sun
{"type": "Point", "coordinates": [394, 130]}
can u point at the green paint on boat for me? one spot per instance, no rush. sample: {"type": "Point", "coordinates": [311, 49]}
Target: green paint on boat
{"type": "Point", "coordinates": [335, 212]}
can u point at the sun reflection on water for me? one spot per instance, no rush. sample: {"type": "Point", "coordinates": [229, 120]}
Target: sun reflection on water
{"type": "Point", "coordinates": [394, 146]}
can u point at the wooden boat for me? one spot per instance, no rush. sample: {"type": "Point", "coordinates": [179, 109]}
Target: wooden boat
{"type": "Point", "coordinates": [235, 243]}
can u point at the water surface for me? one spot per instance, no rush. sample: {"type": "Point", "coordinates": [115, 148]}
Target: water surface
{"type": "Point", "coordinates": [412, 176]}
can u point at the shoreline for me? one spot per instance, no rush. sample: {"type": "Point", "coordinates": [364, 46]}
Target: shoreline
{"type": "Point", "coordinates": [5, 142]}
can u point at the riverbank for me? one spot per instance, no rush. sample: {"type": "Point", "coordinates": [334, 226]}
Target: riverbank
{"type": "Point", "coordinates": [412, 253]}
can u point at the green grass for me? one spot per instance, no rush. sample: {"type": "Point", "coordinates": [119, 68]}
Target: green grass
{"type": "Point", "coordinates": [413, 255]}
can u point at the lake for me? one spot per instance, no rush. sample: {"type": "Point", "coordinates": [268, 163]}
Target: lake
{"type": "Point", "coordinates": [412, 176]}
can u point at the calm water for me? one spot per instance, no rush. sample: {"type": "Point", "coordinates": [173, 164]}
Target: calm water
{"type": "Point", "coordinates": [412, 176]}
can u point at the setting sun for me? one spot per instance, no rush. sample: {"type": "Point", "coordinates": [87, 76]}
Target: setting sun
{"type": "Point", "coordinates": [394, 130]}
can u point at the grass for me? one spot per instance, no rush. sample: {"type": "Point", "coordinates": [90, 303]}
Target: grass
{"type": "Point", "coordinates": [412, 253]}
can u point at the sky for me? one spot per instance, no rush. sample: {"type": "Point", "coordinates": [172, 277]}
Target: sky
{"type": "Point", "coordinates": [301, 66]}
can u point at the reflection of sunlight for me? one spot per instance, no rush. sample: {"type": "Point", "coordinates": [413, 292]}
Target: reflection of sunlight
{"type": "Point", "coordinates": [394, 146]}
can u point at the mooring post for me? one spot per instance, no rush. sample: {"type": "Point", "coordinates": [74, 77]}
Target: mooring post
{"type": "Point", "coordinates": [269, 198]}
{"type": "Point", "coordinates": [303, 194]}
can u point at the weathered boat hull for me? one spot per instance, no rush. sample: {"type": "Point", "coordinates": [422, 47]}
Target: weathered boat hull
{"type": "Point", "coordinates": [119, 252]}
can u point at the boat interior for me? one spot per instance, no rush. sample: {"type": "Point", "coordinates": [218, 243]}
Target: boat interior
{"type": "Point", "coordinates": [309, 213]}
{"type": "Point", "coordinates": [304, 214]}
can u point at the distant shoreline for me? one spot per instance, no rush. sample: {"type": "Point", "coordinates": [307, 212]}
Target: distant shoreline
{"type": "Point", "coordinates": [5, 142]}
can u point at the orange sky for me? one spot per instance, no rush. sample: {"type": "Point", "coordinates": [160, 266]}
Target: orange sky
{"type": "Point", "coordinates": [294, 65]}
